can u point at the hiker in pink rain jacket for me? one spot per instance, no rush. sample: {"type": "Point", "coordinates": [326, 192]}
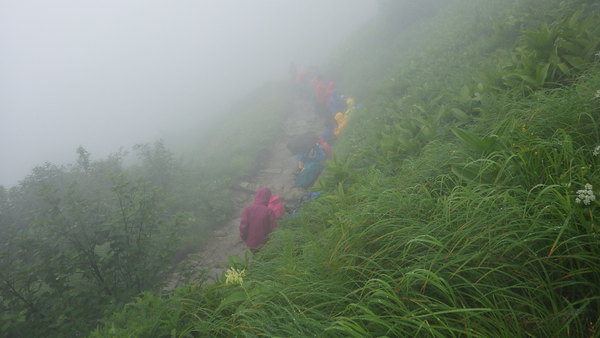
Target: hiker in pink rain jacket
{"type": "Point", "coordinates": [276, 205]}
{"type": "Point", "coordinates": [258, 221]}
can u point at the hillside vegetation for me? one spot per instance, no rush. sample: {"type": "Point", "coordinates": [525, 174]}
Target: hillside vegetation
{"type": "Point", "coordinates": [79, 241]}
{"type": "Point", "coordinates": [460, 201]}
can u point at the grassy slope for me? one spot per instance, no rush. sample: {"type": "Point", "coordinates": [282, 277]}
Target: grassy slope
{"type": "Point", "coordinates": [423, 229]}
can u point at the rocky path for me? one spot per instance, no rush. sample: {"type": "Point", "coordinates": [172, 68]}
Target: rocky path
{"type": "Point", "coordinates": [277, 174]}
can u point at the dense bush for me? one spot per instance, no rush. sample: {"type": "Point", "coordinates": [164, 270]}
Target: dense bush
{"type": "Point", "coordinates": [79, 241]}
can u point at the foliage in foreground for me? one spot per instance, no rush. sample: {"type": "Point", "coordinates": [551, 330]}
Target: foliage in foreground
{"type": "Point", "coordinates": [459, 242]}
{"type": "Point", "coordinates": [463, 205]}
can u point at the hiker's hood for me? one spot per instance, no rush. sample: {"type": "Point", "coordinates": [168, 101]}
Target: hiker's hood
{"type": "Point", "coordinates": [262, 196]}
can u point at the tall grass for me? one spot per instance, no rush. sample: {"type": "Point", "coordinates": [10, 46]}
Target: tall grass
{"type": "Point", "coordinates": [474, 232]}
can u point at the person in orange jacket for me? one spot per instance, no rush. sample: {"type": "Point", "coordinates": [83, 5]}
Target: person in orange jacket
{"type": "Point", "coordinates": [341, 119]}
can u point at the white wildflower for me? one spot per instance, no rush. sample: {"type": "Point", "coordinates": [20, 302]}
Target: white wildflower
{"type": "Point", "coordinates": [585, 196]}
{"type": "Point", "coordinates": [597, 95]}
{"type": "Point", "coordinates": [598, 54]}
{"type": "Point", "coordinates": [235, 276]}
{"type": "Point", "coordinates": [596, 151]}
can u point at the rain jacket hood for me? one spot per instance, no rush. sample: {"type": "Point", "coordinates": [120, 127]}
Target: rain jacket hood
{"type": "Point", "coordinates": [262, 196]}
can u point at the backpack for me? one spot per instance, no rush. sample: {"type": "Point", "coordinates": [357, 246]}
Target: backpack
{"type": "Point", "coordinates": [314, 154]}
{"type": "Point", "coordinates": [309, 175]}
{"type": "Point", "coordinates": [276, 205]}
{"type": "Point", "coordinates": [326, 148]}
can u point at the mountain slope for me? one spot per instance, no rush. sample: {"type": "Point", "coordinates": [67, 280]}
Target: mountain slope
{"type": "Point", "coordinates": [460, 201]}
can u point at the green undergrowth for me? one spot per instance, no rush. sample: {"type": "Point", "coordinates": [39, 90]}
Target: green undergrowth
{"type": "Point", "coordinates": [79, 241]}
{"type": "Point", "coordinates": [453, 206]}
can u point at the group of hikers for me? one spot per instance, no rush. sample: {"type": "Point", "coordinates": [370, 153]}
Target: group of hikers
{"type": "Point", "coordinates": [311, 151]}
{"type": "Point", "coordinates": [259, 219]}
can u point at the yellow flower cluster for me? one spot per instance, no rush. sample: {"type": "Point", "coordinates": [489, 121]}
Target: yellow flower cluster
{"type": "Point", "coordinates": [523, 128]}
{"type": "Point", "coordinates": [235, 276]}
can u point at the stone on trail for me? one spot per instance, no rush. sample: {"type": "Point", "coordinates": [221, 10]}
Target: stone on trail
{"type": "Point", "coordinates": [271, 171]}
{"type": "Point", "coordinates": [220, 233]}
{"type": "Point", "coordinates": [294, 195]}
{"type": "Point", "coordinates": [249, 186]}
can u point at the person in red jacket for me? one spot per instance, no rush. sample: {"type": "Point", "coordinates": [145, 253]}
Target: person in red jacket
{"type": "Point", "coordinates": [258, 221]}
{"type": "Point", "coordinates": [326, 148]}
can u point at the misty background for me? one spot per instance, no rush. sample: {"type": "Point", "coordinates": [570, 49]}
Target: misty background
{"type": "Point", "coordinates": [110, 74]}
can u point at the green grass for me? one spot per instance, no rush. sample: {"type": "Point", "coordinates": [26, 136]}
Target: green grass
{"type": "Point", "coordinates": [444, 213]}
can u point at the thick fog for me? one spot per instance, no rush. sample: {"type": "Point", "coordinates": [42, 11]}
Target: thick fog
{"type": "Point", "coordinates": [107, 74]}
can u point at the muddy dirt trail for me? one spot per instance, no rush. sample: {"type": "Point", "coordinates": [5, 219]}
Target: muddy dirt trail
{"type": "Point", "coordinates": [277, 173]}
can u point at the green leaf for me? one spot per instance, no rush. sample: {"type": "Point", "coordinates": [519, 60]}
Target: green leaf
{"type": "Point", "coordinates": [235, 298]}
{"type": "Point", "coordinates": [563, 68]}
{"type": "Point", "coordinates": [459, 114]}
{"type": "Point", "coordinates": [478, 144]}
{"type": "Point", "coordinates": [570, 47]}
{"type": "Point", "coordinates": [541, 74]}
{"type": "Point", "coordinates": [465, 93]}
{"type": "Point", "coordinates": [575, 61]}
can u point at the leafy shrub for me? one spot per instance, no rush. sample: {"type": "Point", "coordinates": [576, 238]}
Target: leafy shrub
{"type": "Point", "coordinates": [554, 53]}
